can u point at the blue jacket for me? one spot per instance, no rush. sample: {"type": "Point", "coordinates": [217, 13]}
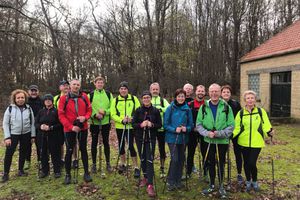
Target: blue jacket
{"type": "Point", "coordinates": [174, 117]}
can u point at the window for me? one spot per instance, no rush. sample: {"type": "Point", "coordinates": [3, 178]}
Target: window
{"type": "Point", "coordinates": [254, 83]}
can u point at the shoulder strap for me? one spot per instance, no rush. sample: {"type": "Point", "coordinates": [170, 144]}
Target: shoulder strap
{"type": "Point", "coordinates": [30, 115]}
{"type": "Point", "coordinates": [162, 103]}
{"type": "Point", "coordinates": [67, 101]}
{"type": "Point", "coordinates": [260, 114]}
{"type": "Point", "coordinates": [203, 110]}
{"type": "Point", "coordinates": [116, 106]}
{"type": "Point", "coordinates": [92, 96]}
{"type": "Point", "coordinates": [107, 94]}
{"type": "Point", "coordinates": [226, 110]}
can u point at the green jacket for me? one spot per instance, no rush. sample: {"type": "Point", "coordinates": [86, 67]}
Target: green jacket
{"type": "Point", "coordinates": [157, 103]}
{"type": "Point", "coordinates": [223, 124]}
{"type": "Point", "coordinates": [119, 111]}
{"type": "Point", "coordinates": [254, 130]}
{"type": "Point", "coordinates": [100, 101]}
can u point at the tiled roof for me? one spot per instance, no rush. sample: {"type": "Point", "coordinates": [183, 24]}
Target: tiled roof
{"type": "Point", "coordinates": [286, 41]}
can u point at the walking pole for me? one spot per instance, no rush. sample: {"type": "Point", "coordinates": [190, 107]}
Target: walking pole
{"type": "Point", "coordinates": [76, 171]}
{"type": "Point", "coordinates": [273, 172]}
{"type": "Point", "coordinates": [127, 156]}
{"type": "Point", "coordinates": [228, 168]}
{"type": "Point", "coordinates": [102, 174]}
{"type": "Point", "coordinates": [219, 170]}
{"type": "Point", "coordinates": [172, 153]}
{"type": "Point", "coordinates": [184, 146]}
{"type": "Point", "coordinates": [199, 156]}
{"type": "Point", "coordinates": [142, 159]}
{"type": "Point", "coordinates": [41, 151]}
{"type": "Point", "coordinates": [120, 147]}
{"type": "Point", "coordinates": [152, 160]}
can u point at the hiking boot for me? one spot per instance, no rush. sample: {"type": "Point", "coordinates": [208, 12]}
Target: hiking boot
{"type": "Point", "coordinates": [150, 191]}
{"type": "Point", "coordinates": [5, 177]}
{"type": "Point", "coordinates": [75, 164]}
{"type": "Point", "coordinates": [94, 169]}
{"type": "Point", "coordinates": [57, 175]}
{"type": "Point", "coordinates": [143, 182]}
{"type": "Point", "coordinates": [208, 190]}
{"type": "Point", "coordinates": [121, 169]}
{"type": "Point", "coordinates": [67, 179]}
{"type": "Point", "coordinates": [27, 165]}
{"type": "Point", "coordinates": [87, 178]}
{"type": "Point", "coordinates": [180, 186]}
{"type": "Point", "coordinates": [43, 174]}
{"type": "Point", "coordinates": [222, 192]}
{"type": "Point", "coordinates": [22, 173]}
{"type": "Point", "coordinates": [205, 178]}
{"type": "Point", "coordinates": [248, 186]}
{"type": "Point", "coordinates": [162, 172]}
{"type": "Point", "coordinates": [240, 179]}
{"type": "Point", "coordinates": [109, 168]}
{"type": "Point", "coordinates": [136, 173]}
{"type": "Point", "coordinates": [255, 186]}
{"type": "Point", "coordinates": [171, 187]}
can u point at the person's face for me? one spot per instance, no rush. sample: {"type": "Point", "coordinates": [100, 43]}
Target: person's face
{"type": "Point", "coordinates": [48, 103]}
{"type": "Point", "coordinates": [123, 91]}
{"type": "Point", "coordinates": [146, 100]}
{"type": "Point", "coordinates": [180, 98]}
{"type": "Point", "coordinates": [226, 94]}
{"type": "Point", "coordinates": [64, 88]}
{"type": "Point", "coordinates": [189, 90]}
{"type": "Point", "coordinates": [20, 99]}
{"type": "Point", "coordinates": [155, 90]}
{"type": "Point", "coordinates": [99, 84]}
{"type": "Point", "coordinates": [200, 93]}
{"type": "Point", "coordinates": [75, 86]}
{"type": "Point", "coordinates": [250, 100]}
{"type": "Point", "coordinates": [33, 93]}
{"type": "Point", "coordinates": [214, 93]}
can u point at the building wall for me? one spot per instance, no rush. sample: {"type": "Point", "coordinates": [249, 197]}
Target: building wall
{"type": "Point", "coordinates": [264, 68]}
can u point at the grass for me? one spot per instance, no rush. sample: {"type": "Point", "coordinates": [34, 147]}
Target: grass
{"type": "Point", "coordinates": [114, 186]}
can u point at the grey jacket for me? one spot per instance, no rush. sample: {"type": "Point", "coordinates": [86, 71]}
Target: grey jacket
{"type": "Point", "coordinates": [18, 122]}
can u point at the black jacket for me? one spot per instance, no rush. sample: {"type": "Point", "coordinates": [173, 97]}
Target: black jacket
{"type": "Point", "coordinates": [50, 118]}
{"type": "Point", "coordinates": [146, 113]}
{"type": "Point", "coordinates": [36, 104]}
{"type": "Point", "coordinates": [235, 106]}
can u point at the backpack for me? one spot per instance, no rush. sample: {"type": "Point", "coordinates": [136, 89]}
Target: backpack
{"type": "Point", "coordinates": [30, 115]}
{"type": "Point", "coordinates": [226, 110]}
{"type": "Point", "coordinates": [117, 101]}
{"type": "Point", "coordinates": [261, 122]}
{"type": "Point", "coordinates": [69, 96]}
{"type": "Point", "coordinates": [92, 95]}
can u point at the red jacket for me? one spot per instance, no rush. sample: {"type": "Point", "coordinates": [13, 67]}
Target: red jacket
{"type": "Point", "coordinates": [67, 112]}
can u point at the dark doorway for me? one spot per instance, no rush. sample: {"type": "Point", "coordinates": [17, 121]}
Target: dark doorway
{"type": "Point", "coordinates": [281, 94]}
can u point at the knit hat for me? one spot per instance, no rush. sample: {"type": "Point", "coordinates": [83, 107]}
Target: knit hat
{"type": "Point", "coordinates": [124, 84]}
{"type": "Point", "coordinates": [146, 92]}
{"type": "Point", "coordinates": [48, 97]}
{"type": "Point", "coordinates": [33, 87]}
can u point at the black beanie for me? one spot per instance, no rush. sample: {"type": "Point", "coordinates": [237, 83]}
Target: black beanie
{"type": "Point", "coordinates": [146, 92]}
{"type": "Point", "coordinates": [124, 84]}
{"type": "Point", "coordinates": [48, 97]}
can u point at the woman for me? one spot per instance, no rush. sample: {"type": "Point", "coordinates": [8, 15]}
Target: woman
{"type": "Point", "coordinates": [18, 125]}
{"type": "Point", "coordinates": [226, 91]}
{"type": "Point", "coordinates": [178, 122]}
{"type": "Point", "coordinates": [146, 122]}
{"type": "Point", "coordinates": [251, 126]}
{"type": "Point", "coordinates": [49, 128]}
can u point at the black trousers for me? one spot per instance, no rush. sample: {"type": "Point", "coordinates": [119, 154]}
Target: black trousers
{"type": "Point", "coordinates": [161, 144]}
{"type": "Point", "coordinates": [238, 155]}
{"type": "Point", "coordinates": [176, 163]}
{"type": "Point", "coordinates": [212, 161]}
{"type": "Point", "coordinates": [250, 156]}
{"type": "Point", "coordinates": [192, 145]}
{"type": "Point", "coordinates": [24, 140]}
{"type": "Point", "coordinates": [146, 158]}
{"type": "Point", "coordinates": [28, 154]}
{"type": "Point", "coordinates": [130, 139]}
{"type": "Point", "coordinates": [70, 139]}
{"type": "Point", "coordinates": [50, 145]}
{"type": "Point", "coordinates": [95, 138]}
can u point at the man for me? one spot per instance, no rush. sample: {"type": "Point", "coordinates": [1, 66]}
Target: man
{"type": "Point", "coordinates": [189, 89]}
{"type": "Point", "coordinates": [215, 122]}
{"type": "Point", "coordinates": [36, 104]}
{"type": "Point", "coordinates": [74, 110]}
{"type": "Point", "coordinates": [194, 136]}
{"type": "Point", "coordinates": [64, 88]}
{"type": "Point", "coordinates": [161, 104]}
{"type": "Point", "coordinates": [101, 101]}
{"type": "Point", "coordinates": [122, 109]}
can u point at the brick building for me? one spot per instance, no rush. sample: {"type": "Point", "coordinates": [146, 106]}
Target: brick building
{"type": "Point", "coordinates": [273, 71]}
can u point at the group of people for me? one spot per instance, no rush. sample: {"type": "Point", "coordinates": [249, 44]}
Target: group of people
{"type": "Point", "coordinates": [62, 122]}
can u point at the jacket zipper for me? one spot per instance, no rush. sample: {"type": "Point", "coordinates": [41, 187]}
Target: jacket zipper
{"type": "Point", "coordinates": [21, 120]}
{"type": "Point", "coordinates": [250, 129]}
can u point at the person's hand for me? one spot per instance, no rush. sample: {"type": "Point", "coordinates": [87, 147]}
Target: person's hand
{"type": "Point", "coordinates": [32, 140]}
{"type": "Point", "coordinates": [271, 133]}
{"type": "Point", "coordinates": [76, 129]}
{"type": "Point", "coordinates": [7, 142]}
{"type": "Point", "coordinates": [183, 129]}
{"type": "Point", "coordinates": [129, 119]}
{"type": "Point", "coordinates": [101, 111]}
{"type": "Point", "coordinates": [99, 116]}
{"type": "Point", "coordinates": [125, 120]}
{"type": "Point", "coordinates": [144, 124]}
{"type": "Point", "coordinates": [81, 118]}
{"type": "Point", "coordinates": [178, 129]}
{"type": "Point", "coordinates": [211, 134]}
{"type": "Point", "coordinates": [43, 127]}
{"type": "Point", "coordinates": [149, 124]}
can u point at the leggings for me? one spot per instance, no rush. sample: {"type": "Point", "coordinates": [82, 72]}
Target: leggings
{"type": "Point", "coordinates": [250, 156]}
{"type": "Point", "coordinates": [238, 155]}
{"type": "Point", "coordinates": [131, 140]}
